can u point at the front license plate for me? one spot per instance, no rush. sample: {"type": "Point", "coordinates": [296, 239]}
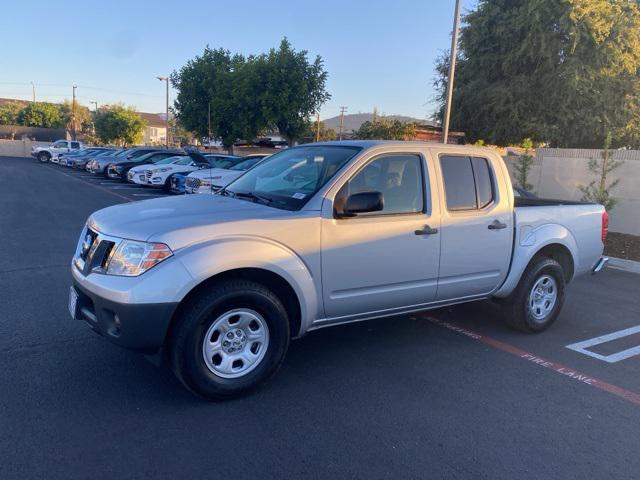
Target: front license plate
{"type": "Point", "coordinates": [73, 302]}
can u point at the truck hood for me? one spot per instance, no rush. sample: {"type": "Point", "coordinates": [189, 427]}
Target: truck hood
{"type": "Point", "coordinates": [178, 221]}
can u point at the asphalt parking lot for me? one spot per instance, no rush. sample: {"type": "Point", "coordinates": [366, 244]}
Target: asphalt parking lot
{"type": "Point", "coordinates": [446, 394]}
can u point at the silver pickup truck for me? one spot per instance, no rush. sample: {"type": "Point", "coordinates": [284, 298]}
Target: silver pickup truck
{"type": "Point", "coordinates": [319, 235]}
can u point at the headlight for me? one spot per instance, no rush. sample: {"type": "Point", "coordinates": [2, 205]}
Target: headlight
{"type": "Point", "coordinates": [133, 258]}
{"type": "Point", "coordinates": [163, 170]}
{"type": "Point", "coordinates": [205, 183]}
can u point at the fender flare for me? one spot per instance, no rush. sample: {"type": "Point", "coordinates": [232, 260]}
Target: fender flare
{"type": "Point", "coordinates": [206, 260]}
{"type": "Point", "coordinates": [528, 242]}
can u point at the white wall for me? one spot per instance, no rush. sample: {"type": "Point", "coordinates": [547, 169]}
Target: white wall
{"type": "Point", "coordinates": [18, 148]}
{"type": "Point", "coordinates": [558, 173]}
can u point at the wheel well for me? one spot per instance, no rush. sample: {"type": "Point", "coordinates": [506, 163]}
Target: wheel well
{"type": "Point", "coordinates": [560, 254]}
{"type": "Point", "coordinates": [273, 281]}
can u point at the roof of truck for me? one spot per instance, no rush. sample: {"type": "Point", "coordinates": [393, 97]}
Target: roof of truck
{"type": "Point", "coordinates": [372, 143]}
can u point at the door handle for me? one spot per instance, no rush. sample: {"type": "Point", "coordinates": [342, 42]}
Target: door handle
{"type": "Point", "coordinates": [497, 225]}
{"type": "Point", "coordinates": [427, 230]}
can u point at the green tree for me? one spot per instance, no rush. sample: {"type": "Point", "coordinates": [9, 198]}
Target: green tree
{"type": "Point", "coordinates": [523, 165]}
{"type": "Point", "coordinates": [385, 129]}
{"type": "Point", "coordinates": [598, 190]}
{"type": "Point", "coordinates": [120, 125]}
{"type": "Point", "coordinates": [292, 88]}
{"type": "Point", "coordinates": [246, 95]}
{"type": "Point", "coordinates": [9, 113]}
{"type": "Point", "coordinates": [38, 114]}
{"type": "Point", "coordinates": [563, 72]}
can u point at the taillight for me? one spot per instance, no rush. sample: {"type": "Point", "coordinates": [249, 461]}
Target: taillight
{"type": "Point", "coordinates": [605, 226]}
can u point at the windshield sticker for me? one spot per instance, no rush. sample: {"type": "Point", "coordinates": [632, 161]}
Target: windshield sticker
{"type": "Point", "coordinates": [298, 196]}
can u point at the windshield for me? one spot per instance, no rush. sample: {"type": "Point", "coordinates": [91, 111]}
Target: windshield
{"type": "Point", "coordinates": [124, 152]}
{"type": "Point", "coordinates": [290, 178]}
{"type": "Point", "coordinates": [104, 153]}
{"type": "Point", "coordinates": [246, 165]}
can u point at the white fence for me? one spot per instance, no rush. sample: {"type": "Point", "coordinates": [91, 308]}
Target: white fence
{"type": "Point", "coordinates": [559, 172]}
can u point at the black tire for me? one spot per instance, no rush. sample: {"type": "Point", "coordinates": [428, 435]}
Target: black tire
{"type": "Point", "coordinates": [167, 184]}
{"type": "Point", "coordinates": [185, 342]}
{"type": "Point", "coordinates": [44, 157]}
{"type": "Point", "coordinates": [519, 313]}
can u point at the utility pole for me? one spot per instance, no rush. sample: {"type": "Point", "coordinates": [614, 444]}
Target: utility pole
{"type": "Point", "coordinates": [452, 71]}
{"type": "Point", "coordinates": [209, 137]}
{"type": "Point", "coordinates": [318, 127]}
{"type": "Point", "coordinates": [73, 113]}
{"type": "Point", "coordinates": [166, 80]}
{"type": "Point", "coordinates": [33, 90]}
{"type": "Point", "coordinates": [342, 110]}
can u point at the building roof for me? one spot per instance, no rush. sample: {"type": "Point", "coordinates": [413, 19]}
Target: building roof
{"type": "Point", "coordinates": [152, 119]}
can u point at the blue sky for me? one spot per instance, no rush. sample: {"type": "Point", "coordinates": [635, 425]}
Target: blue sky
{"type": "Point", "coordinates": [377, 53]}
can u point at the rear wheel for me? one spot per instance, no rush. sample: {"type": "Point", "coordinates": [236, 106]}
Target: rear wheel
{"type": "Point", "coordinates": [44, 157]}
{"type": "Point", "coordinates": [537, 300]}
{"type": "Point", "coordinates": [229, 339]}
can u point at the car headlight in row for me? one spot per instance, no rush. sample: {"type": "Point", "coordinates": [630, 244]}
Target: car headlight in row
{"type": "Point", "coordinates": [162, 170]}
{"type": "Point", "coordinates": [132, 258]}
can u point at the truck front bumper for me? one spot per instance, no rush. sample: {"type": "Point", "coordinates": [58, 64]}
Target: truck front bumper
{"type": "Point", "coordinates": [140, 327]}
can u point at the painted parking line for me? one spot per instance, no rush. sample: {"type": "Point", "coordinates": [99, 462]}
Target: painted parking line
{"type": "Point", "coordinates": [93, 185]}
{"type": "Point", "coordinates": [567, 372]}
{"type": "Point", "coordinates": [581, 347]}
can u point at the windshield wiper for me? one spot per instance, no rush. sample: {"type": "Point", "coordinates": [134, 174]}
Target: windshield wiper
{"type": "Point", "coordinates": [256, 197]}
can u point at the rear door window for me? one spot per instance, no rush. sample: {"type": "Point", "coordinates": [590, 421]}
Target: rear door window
{"type": "Point", "coordinates": [468, 182]}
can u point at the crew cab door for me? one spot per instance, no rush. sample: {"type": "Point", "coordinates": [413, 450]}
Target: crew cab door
{"type": "Point", "coordinates": [382, 261]}
{"type": "Point", "coordinates": [477, 225]}
{"type": "Point", "coordinates": [60, 146]}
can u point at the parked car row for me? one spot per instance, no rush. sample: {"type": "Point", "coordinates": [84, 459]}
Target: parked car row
{"type": "Point", "coordinates": [176, 171]}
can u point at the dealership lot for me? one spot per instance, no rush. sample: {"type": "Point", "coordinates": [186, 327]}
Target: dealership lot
{"type": "Point", "coordinates": [451, 393]}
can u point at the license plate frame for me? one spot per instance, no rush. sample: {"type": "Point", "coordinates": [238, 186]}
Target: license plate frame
{"type": "Point", "coordinates": [73, 302]}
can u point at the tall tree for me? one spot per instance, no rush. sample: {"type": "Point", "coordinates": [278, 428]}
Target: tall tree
{"type": "Point", "coordinates": [293, 88]}
{"type": "Point", "coordinates": [120, 125]}
{"type": "Point", "coordinates": [557, 71]}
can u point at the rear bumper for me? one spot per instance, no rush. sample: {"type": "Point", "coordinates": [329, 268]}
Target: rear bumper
{"type": "Point", "coordinates": [140, 327]}
{"type": "Point", "coordinates": [600, 264]}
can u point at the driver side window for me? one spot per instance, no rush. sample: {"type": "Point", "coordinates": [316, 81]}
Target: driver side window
{"type": "Point", "coordinates": [398, 177]}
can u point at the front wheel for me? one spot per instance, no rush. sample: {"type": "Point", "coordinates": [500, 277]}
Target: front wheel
{"type": "Point", "coordinates": [229, 339]}
{"type": "Point", "coordinates": [44, 157]}
{"type": "Point", "coordinates": [537, 300]}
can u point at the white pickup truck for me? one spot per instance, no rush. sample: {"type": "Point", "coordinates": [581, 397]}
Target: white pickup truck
{"type": "Point", "coordinates": [53, 151]}
{"type": "Point", "coordinates": [320, 235]}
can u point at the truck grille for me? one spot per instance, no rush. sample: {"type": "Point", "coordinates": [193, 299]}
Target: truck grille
{"type": "Point", "coordinates": [192, 182]}
{"type": "Point", "coordinates": [93, 252]}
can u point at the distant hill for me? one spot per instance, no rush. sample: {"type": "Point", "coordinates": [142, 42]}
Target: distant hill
{"type": "Point", "coordinates": [352, 121]}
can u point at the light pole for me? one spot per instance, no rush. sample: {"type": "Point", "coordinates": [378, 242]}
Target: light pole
{"type": "Point", "coordinates": [166, 80]}
{"type": "Point", "coordinates": [33, 90]}
{"type": "Point", "coordinates": [452, 72]}
{"type": "Point", "coordinates": [73, 112]}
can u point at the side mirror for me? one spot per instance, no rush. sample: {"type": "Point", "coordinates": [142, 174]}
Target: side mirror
{"type": "Point", "coordinates": [362, 202]}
